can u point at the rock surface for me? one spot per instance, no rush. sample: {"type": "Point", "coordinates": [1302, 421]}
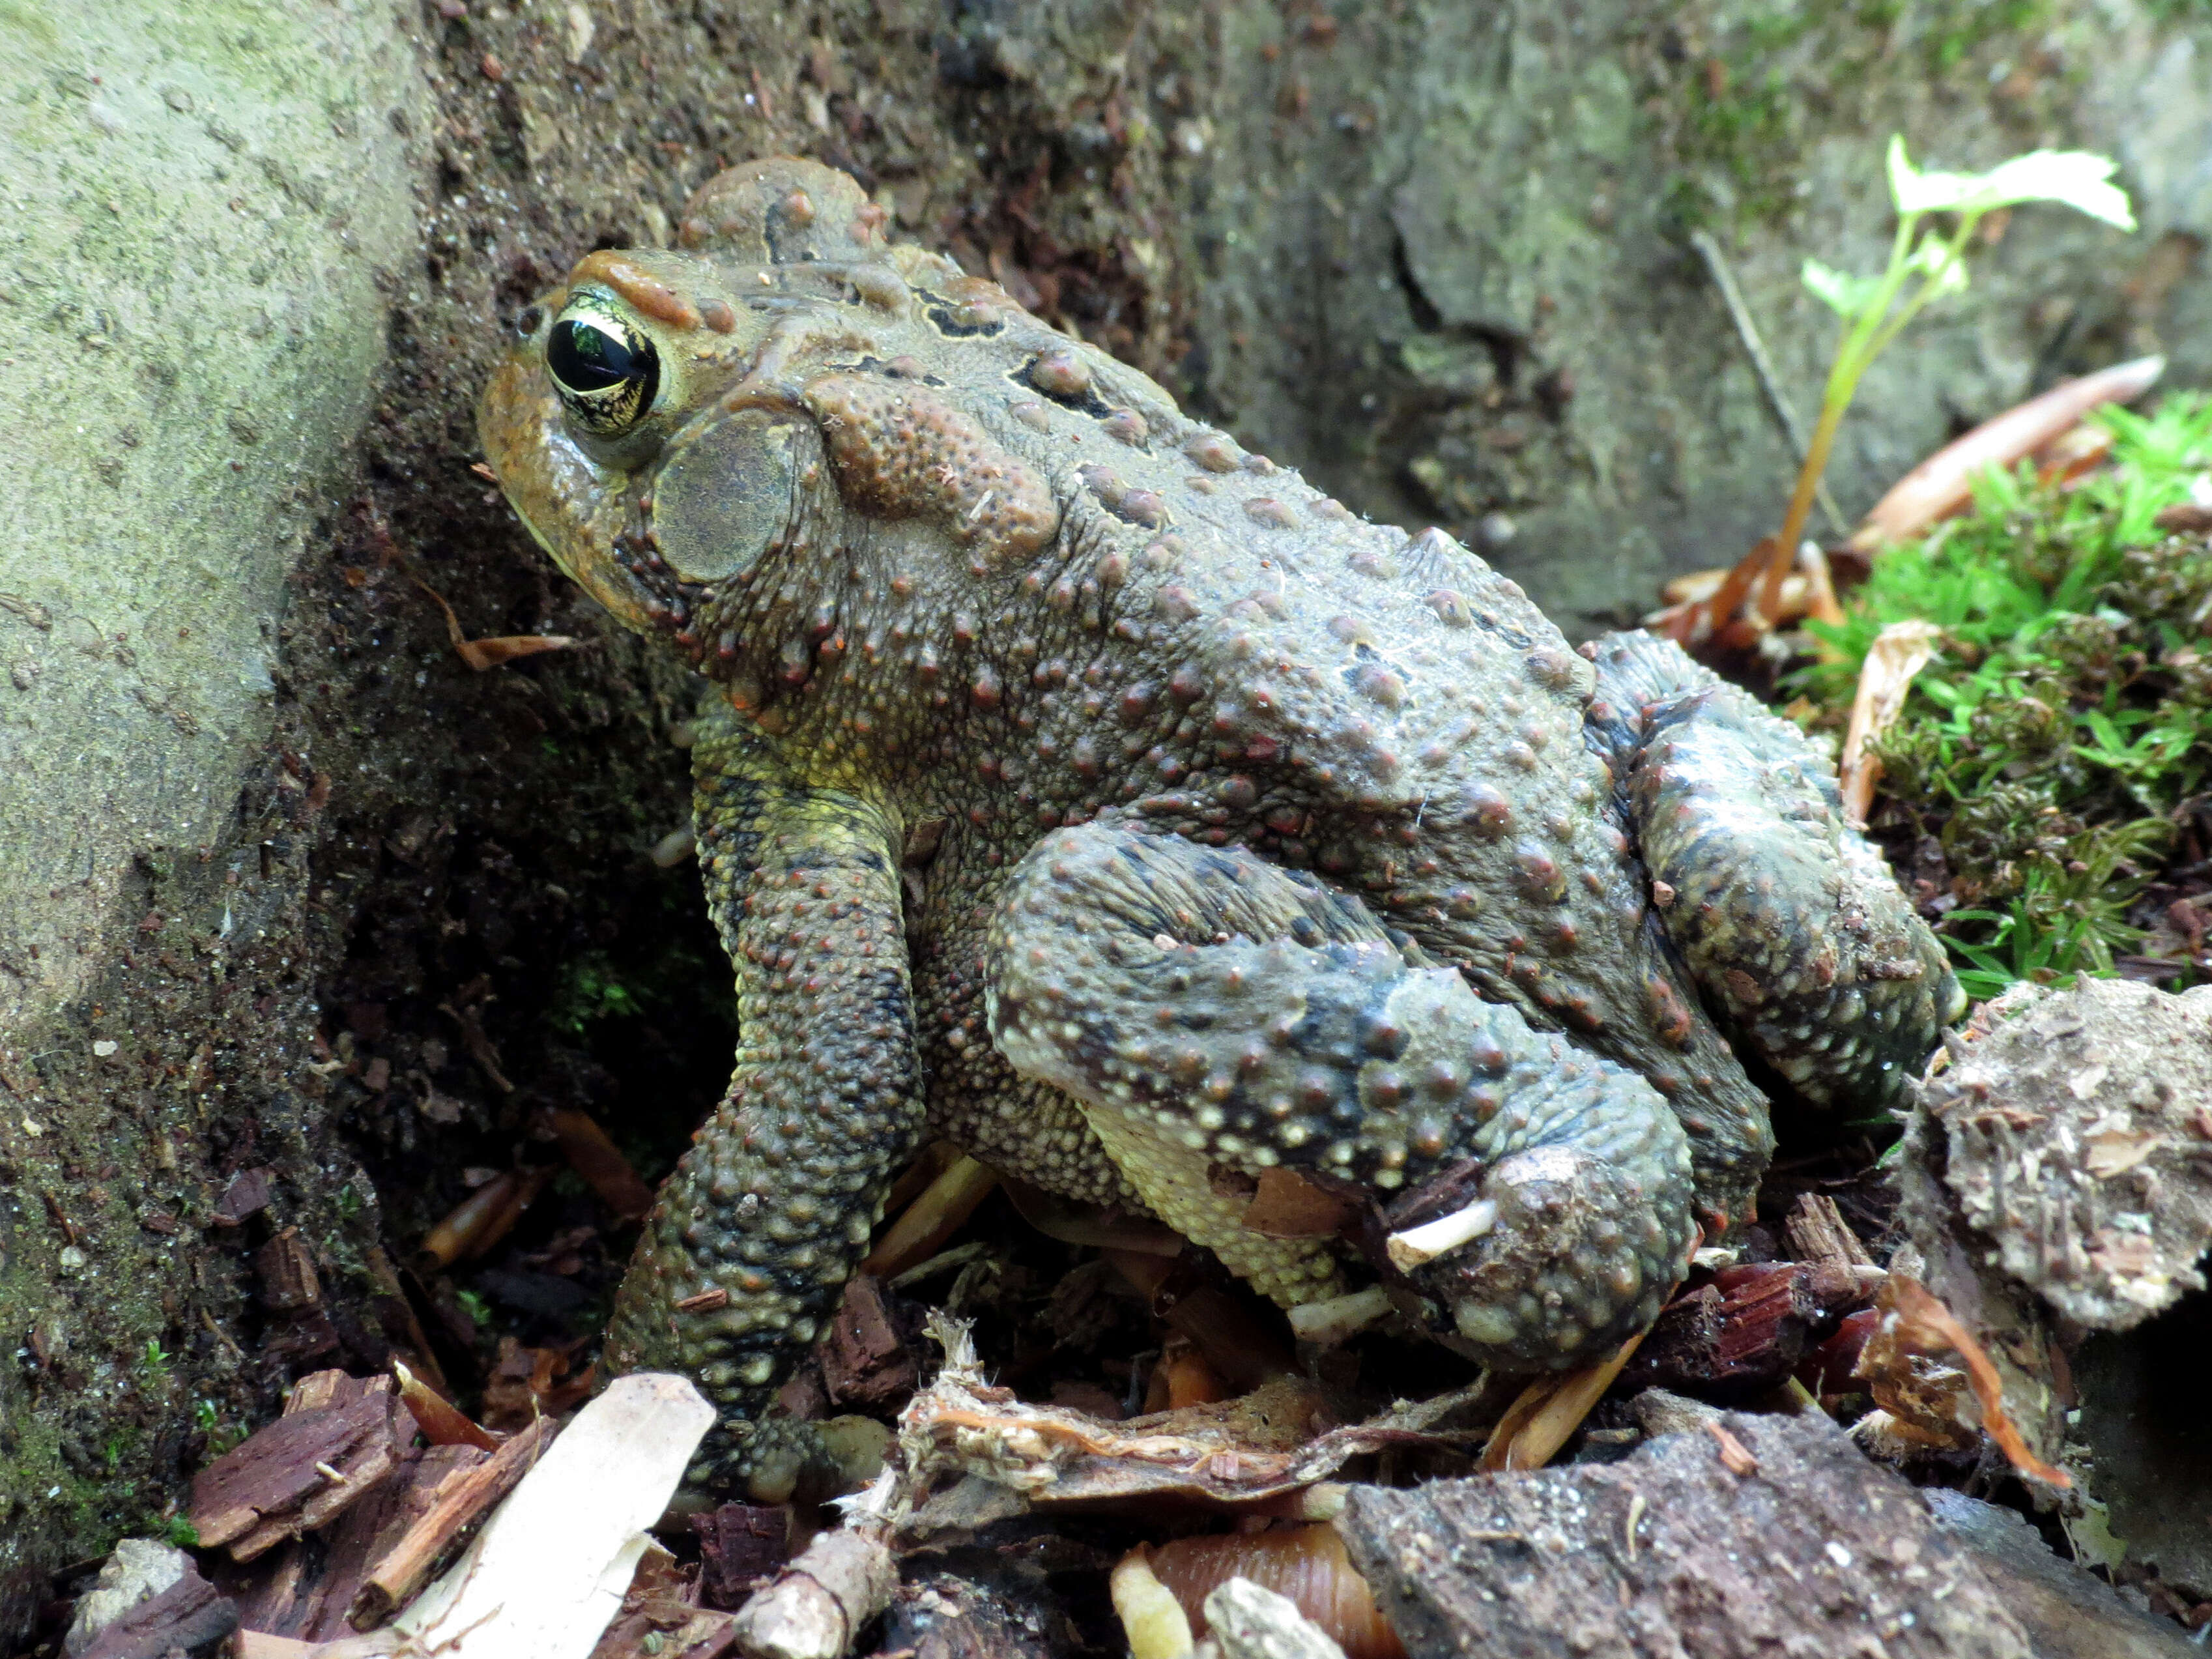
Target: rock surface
{"type": "Point", "coordinates": [140, 1569]}
{"type": "Point", "coordinates": [203, 205]}
{"type": "Point", "coordinates": [2068, 1611]}
{"type": "Point", "coordinates": [2057, 1179]}
{"type": "Point", "coordinates": [1497, 320]}
{"type": "Point", "coordinates": [2077, 1140]}
{"type": "Point", "coordinates": [1757, 1535]}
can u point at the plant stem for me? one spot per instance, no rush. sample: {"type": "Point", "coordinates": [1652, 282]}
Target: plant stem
{"type": "Point", "coordinates": [1852, 357]}
{"type": "Point", "coordinates": [1870, 335]}
{"type": "Point", "coordinates": [1784, 551]}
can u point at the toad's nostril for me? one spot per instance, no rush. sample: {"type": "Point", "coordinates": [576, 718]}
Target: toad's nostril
{"type": "Point", "coordinates": [528, 323]}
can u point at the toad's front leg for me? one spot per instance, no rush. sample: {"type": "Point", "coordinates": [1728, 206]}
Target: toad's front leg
{"type": "Point", "coordinates": [753, 1238]}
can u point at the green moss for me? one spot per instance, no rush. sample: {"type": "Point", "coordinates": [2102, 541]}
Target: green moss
{"type": "Point", "coordinates": [221, 1435]}
{"type": "Point", "coordinates": [2066, 725]}
{"type": "Point", "coordinates": [591, 991]}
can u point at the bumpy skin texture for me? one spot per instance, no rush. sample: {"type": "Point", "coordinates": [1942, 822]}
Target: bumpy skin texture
{"type": "Point", "coordinates": [1102, 797]}
{"type": "Point", "coordinates": [1791, 923]}
{"type": "Point", "coordinates": [1222, 1012]}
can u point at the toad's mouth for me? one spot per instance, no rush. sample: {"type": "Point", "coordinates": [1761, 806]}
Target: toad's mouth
{"type": "Point", "coordinates": [566, 501]}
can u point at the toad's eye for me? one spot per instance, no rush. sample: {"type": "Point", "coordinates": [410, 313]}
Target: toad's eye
{"type": "Point", "coordinates": [606, 371]}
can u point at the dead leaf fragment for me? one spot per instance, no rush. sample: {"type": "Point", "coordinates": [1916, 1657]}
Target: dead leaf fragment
{"type": "Point", "coordinates": [480, 654]}
{"type": "Point", "coordinates": [1270, 1443]}
{"type": "Point", "coordinates": [1899, 652]}
{"type": "Point", "coordinates": [2115, 1152]}
{"type": "Point", "coordinates": [442, 1423]}
{"type": "Point", "coordinates": [1287, 1206]}
{"type": "Point", "coordinates": [1915, 1328]}
{"type": "Point", "coordinates": [938, 1212]}
{"type": "Point", "coordinates": [1944, 482]}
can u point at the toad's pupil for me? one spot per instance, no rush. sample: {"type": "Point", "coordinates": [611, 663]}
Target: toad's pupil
{"type": "Point", "coordinates": [585, 356]}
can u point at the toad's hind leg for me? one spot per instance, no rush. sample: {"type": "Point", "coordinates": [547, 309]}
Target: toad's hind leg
{"type": "Point", "coordinates": [1792, 924]}
{"type": "Point", "coordinates": [1211, 1011]}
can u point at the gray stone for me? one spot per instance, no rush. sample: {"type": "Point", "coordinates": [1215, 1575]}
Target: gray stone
{"type": "Point", "coordinates": [2056, 1177]}
{"type": "Point", "coordinates": [140, 1569]}
{"type": "Point", "coordinates": [2077, 1141]}
{"type": "Point", "coordinates": [2067, 1612]}
{"type": "Point", "coordinates": [200, 200]}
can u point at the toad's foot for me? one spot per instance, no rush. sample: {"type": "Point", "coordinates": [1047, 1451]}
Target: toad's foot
{"type": "Point", "coordinates": [1791, 922]}
{"type": "Point", "coordinates": [1215, 1013]}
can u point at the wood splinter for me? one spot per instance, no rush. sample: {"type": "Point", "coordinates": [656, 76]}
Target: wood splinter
{"type": "Point", "coordinates": [1424, 1243]}
{"type": "Point", "coordinates": [463, 1499]}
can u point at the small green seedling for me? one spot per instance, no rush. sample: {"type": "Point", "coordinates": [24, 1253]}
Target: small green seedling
{"type": "Point", "coordinates": [1925, 263]}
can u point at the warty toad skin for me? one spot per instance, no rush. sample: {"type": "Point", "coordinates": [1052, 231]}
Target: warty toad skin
{"type": "Point", "coordinates": [1095, 794]}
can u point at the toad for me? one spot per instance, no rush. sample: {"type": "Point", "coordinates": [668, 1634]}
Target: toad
{"type": "Point", "coordinates": [1085, 789]}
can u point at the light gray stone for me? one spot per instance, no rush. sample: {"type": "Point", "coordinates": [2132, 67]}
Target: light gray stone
{"type": "Point", "coordinates": [199, 202]}
{"type": "Point", "coordinates": [140, 1569]}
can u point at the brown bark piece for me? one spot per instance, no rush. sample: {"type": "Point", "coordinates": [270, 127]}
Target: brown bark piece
{"type": "Point", "coordinates": [464, 1498]}
{"type": "Point", "coordinates": [188, 1616]}
{"type": "Point", "coordinates": [863, 1363]}
{"type": "Point", "coordinates": [296, 1473]}
{"type": "Point", "coordinates": [307, 1596]}
{"type": "Point", "coordinates": [1818, 1232]}
{"type": "Point", "coordinates": [320, 1390]}
{"type": "Point", "coordinates": [1844, 1276]}
{"type": "Point", "coordinates": [1737, 1336]}
{"type": "Point", "coordinates": [1672, 1553]}
{"type": "Point", "coordinates": [740, 1543]}
{"type": "Point", "coordinates": [288, 1283]}
{"type": "Point", "coordinates": [338, 1388]}
{"type": "Point", "coordinates": [247, 1195]}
